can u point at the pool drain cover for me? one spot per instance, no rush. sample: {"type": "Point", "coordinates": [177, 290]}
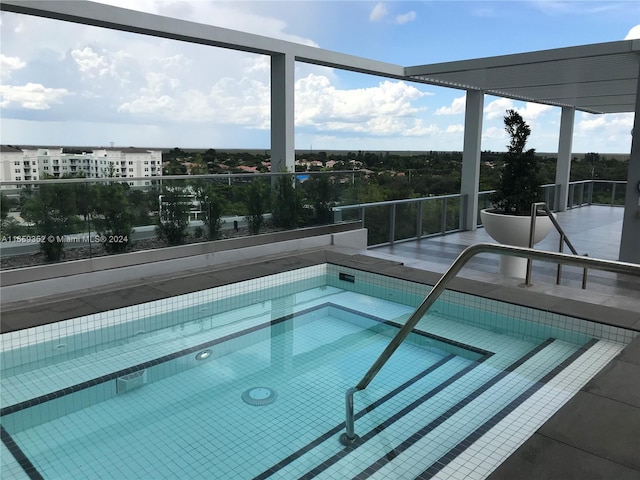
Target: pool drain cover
{"type": "Point", "coordinates": [259, 396]}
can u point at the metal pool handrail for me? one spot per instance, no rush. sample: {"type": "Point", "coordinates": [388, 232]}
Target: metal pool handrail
{"type": "Point", "coordinates": [563, 239]}
{"type": "Point", "coordinates": [349, 436]}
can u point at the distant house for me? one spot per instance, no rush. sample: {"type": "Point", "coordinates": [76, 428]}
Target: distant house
{"type": "Point", "coordinates": [247, 169]}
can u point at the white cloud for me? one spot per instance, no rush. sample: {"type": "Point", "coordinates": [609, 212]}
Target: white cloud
{"type": "Point", "coordinates": [243, 101]}
{"type": "Point", "coordinates": [32, 96]}
{"type": "Point", "coordinates": [492, 135]}
{"type": "Point", "coordinates": [530, 111]}
{"type": "Point", "coordinates": [406, 17]}
{"type": "Point", "coordinates": [634, 33]}
{"type": "Point", "coordinates": [149, 105]}
{"type": "Point", "coordinates": [378, 12]}
{"type": "Point", "coordinates": [457, 107]}
{"type": "Point", "coordinates": [8, 65]}
{"type": "Point", "coordinates": [497, 108]}
{"type": "Point", "coordinates": [591, 123]}
{"type": "Point", "coordinates": [90, 63]}
{"type": "Point", "coordinates": [597, 133]}
{"type": "Point", "coordinates": [381, 110]}
{"type": "Point", "coordinates": [458, 128]}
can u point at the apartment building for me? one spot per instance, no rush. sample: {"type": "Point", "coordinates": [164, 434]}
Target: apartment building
{"type": "Point", "coordinates": [33, 163]}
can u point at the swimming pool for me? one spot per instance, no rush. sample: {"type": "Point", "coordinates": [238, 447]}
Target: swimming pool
{"type": "Point", "coordinates": [248, 381]}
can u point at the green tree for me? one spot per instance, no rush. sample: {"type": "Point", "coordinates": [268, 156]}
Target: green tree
{"type": "Point", "coordinates": [173, 218]}
{"type": "Point", "coordinates": [141, 204]}
{"type": "Point", "coordinates": [211, 206]}
{"type": "Point", "coordinates": [519, 179]}
{"type": "Point", "coordinates": [54, 214]}
{"type": "Point", "coordinates": [5, 206]}
{"type": "Point", "coordinates": [256, 201]}
{"type": "Point", "coordinates": [321, 191]}
{"type": "Point", "coordinates": [9, 226]}
{"type": "Point", "coordinates": [112, 215]}
{"type": "Point", "coordinates": [285, 206]}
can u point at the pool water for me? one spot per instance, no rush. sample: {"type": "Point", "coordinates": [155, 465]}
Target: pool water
{"type": "Point", "coordinates": [151, 404]}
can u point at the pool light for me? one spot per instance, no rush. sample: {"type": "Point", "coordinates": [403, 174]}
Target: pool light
{"type": "Point", "coordinates": [203, 355]}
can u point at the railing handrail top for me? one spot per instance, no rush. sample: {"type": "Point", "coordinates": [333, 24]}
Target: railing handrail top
{"type": "Point", "coordinates": [402, 200]}
{"type": "Point", "coordinates": [594, 180]}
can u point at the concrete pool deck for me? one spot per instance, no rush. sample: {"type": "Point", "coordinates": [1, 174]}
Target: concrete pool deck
{"type": "Point", "coordinates": [595, 435]}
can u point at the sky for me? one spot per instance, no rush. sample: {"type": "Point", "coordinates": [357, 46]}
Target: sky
{"type": "Point", "coordinates": [68, 84]}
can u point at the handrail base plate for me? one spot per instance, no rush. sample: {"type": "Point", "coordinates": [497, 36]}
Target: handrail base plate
{"type": "Point", "coordinates": [348, 442]}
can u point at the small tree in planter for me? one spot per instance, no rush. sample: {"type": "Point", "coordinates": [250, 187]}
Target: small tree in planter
{"type": "Point", "coordinates": [517, 190]}
{"type": "Point", "coordinates": [520, 180]}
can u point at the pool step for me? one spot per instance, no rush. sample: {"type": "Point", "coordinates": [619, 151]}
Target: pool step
{"type": "Point", "coordinates": [460, 408]}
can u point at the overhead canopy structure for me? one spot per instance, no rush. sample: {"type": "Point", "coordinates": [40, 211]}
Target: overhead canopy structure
{"type": "Point", "coordinates": [598, 78]}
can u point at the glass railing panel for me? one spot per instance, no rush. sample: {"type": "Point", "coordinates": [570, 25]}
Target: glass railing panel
{"type": "Point", "coordinates": [64, 219]}
{"type": "Point", "coordinates": [619, 193]}
{"type": "Point", "coordinates": [406, 222]}
{"type": "Point", "coordinates": [597, 192]}
{"type": "Point", "coordinates": [608, 192]}
{"type": "Point", "coordinates": [432, 216]}
{"type": "Point", "coordinates": [377, 222]}
{"type": "Point", "coordinates": [454, 213]}
{"type": "Point", "coordinates": [484, 202]}
{"type": "Point", "coordinates": [581, 193]}
{"type": "Point", "coordinates": [602, 193]}
{"type": "Point", "coordinates": [548, 194]}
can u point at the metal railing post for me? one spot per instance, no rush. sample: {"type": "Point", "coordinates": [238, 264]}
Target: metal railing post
{"type": "Point", "coordinates": [464, 211]}
{"type": "Point", "coordinates": [443, 217]}
{"type": "Point", "coordinates": [572, 188]}
{"type": "Point", "coordinates": [392, 223]}
{"type": "Point", "coordinates": [560, 249]}
{"type": "Point", "coordinates": [532, 236]}
{"type": "Point", "coordinates": [419, 221]}
{"type": "Point", "coordinates": [613, 194]}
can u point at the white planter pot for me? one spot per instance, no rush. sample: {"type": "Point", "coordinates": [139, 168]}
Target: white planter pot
{"type": "Point", "coordinates": [514, 230]}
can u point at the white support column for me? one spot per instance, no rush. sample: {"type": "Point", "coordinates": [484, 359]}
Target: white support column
{"type": "Point", "coordinates": [630, 241]}
{"type": "Point", "coordinates": [470, 178]}
{"type": "Point", "coordinates": [282, 112]}
{"type": "Point", "coordinates": [563, 165]}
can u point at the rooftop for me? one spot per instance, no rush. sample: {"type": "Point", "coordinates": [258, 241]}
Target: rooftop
{"type": "Point", "coordinates": [593, 435]}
